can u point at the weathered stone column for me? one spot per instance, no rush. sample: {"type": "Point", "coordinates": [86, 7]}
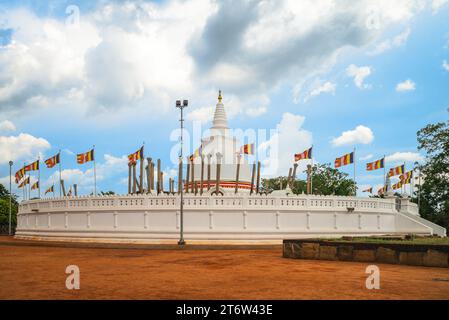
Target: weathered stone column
{"type": "Point", "coordinates": [209, 158]}
{"type": "Point", "coordinates": [202, 175]}
{"type": "Point", "coordinates": [188, 175]}
{"type": "Point", "coordinates": [134, 179]}
{"type": "Point", "coordinates": [193, 176]}
{"type": "Point", "coordinates": [253, 176]}
{"type": "Point", "coordinates": [159, 176]}
{"type": "Point", "coordinates": [295, 166]}
{"type": "Point", "coordinates": [63, 187]}
{"type": "Point", "coordinates": [258, 177]}
{"type": "Point", "coordinates": [289, 177]}
{"type": "Point", "coordinates": [141, 176]}
{"type": "Point", "coordinates": [75, 189]}
{"type": "Point", "coordinates": [309, 175]}
{"type": "Point", "coordinates": [217, 182]}
{"type": "Point", "coordinates": [129, 177]}
{"type": "Point", "coordinates": [148, 168]}
{"type": "Point", "coordinates": [237, 174]}
{"type": "Point", "coordinates": [162, 182]}
{"type": "Point", "coordinates": [152, 175]}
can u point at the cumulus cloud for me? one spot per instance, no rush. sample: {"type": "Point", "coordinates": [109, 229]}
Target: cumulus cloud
{"type": "Point", "coordinates": [23, 146]}
{"type": "Point", "coordinates": [404, 156]}
{"type": "Point", "coordinates": [320, 88]}
{"type": "Point", "coordinates": [360, 135]}
{"type": "Point", "coordinates": [445, 65]}
{"type": "Point", "coordinates": [388, 44]}
{"type": "Point", "coordinates": [438, 4]}
{"type": "Point", "coordinates": [7, 125]}
{"type": "Point", "coordinates": [136, 54]}
{"type": "Point", "coordinates": [367, 157]}
{"type": "Point", "coordinates": [407, 85]}
{"type": "Point", "coordinates": [359, 74]}
{"type": "Point", "coordinates": [276, 154]}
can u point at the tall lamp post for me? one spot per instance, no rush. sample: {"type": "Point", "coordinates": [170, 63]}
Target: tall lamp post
{"type": "Point", "coordinates": [10, 195]}
{"type": "Point", "coordinates": [181, 106]}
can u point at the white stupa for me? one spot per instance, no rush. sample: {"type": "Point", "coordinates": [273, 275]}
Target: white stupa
{"type": "Point", "coordinates": [221, 147]}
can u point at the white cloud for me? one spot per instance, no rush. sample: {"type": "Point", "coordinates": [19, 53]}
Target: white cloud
{"type": "Point", "coordinates": [395, 42]}
{"type": "Point", "coordinates": [438, 4]}
{"type": "Point", "coordinates": [445, 65]}
{"type": "Point", "coordinates": [404, 156]}
{"type": "Point", "coordinates": [23, 146]}
{"type": "Point", "coordinates": [367, 157]}
{"type": "Point", "coordinates": [326, 87]}
{"type": "Point", "coordinates": [360, 135]}
{"type": "Point", "coordinates": [257, 111]}
{"type": "Point", "coordinates": [160, 52]}
{"type": "Point", "coordinates": [277, 153]}
{"type": "Point", "coordinates": [407, 85]}
{"type": "Point", "coordinates": [359, 74]}
{"type": "Point", "coordinates": [7, 125]}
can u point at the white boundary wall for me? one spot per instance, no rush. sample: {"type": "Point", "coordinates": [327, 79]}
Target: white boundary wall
{"type": "Point", "coordinates": [228, 217]}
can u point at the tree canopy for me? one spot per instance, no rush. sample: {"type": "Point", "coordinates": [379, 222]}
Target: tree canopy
{"type": "Point", "coordinates": [4, 206]}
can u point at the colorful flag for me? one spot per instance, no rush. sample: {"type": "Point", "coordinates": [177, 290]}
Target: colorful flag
{"type": "Point", "coordinates": [345, 160]}
{"type": "Point", "coordinates": [198, 152]}
{"type": "Point", "coordinates": [397, 185]}
{"type": "Point", "coordinates": [247, 149]}
{"type": "Point", "coordinates": [378, 164]}
{"type": "Point", "coordinates": [51, 162]}
{"type": "Point", "coordinates": [85, 157]}
{"type": "Point", "coordinates": [305, 155]}
{"type": "Point", "coordinates": [369, 190]}
{"type": "Point", "coordinates": [136, 156]}
{"type": "Point", "coordinates": [406, 178]}
{"type": "Point", "coordinates": [24, 182]}
{"type": "Point", "coordinates": [20, 174]}
{"type": "Point", "coordinates": [51, 189]}
{"type": "Point", "coordinates": [32, 167]}
{"type": "Point", "coordinates": [396, 171]}
{"type": "Point", "coordinates": [35, 186]}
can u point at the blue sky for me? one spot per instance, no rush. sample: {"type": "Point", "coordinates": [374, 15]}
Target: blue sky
{"type": "Point", "coordinates": [112, 79]}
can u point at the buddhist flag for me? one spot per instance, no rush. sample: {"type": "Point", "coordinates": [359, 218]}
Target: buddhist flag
{"type": "Point", "coordinates": [51, 162]}
{"type": "Point", "coordinates": [396, 171]}
{"type": "Point", "coordinates": [397, 185]}
{"type": "Point", "coordinates": [32, 167]}
{"type": "Point", "coordinates": [305, 155]}
{"type": "Point", "coordinates": [85, 157]}
{"type": "Point", "coordinates": [247, 149]}
{"type": "Point", "coordinates": [136, 156]}
{"type": "Point", "coordinates": [20, 174]}
{"type": "Point", "coordinates": [345, 160]}
{"type": "Point", "coordinates": [369, 190]}
{"type": "Point", "coordinates": [51, 189]}
{"type": "Point", "coordinates": [378, 164]}
{"type": "Point", "coordinates": [406, 178]}
{"type": "Point", "coordinates": [35, 186]}
{"type": "Point", "coordinates": [198, 152]}
{"type": "Point", "coordinates": [24, 182]}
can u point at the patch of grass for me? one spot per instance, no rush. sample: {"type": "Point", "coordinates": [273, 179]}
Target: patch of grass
{"type": "Point", "coordinates": [395, 240]}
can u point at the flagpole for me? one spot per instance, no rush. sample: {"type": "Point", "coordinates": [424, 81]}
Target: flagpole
{"type": "Point", "coordinates": [95, 174]}
{"type": "Point", "coordinates": [404, 190]}
{"type": "Point", "coordinates": [385, 172]}
{"type": "Point", "coordinates": [311, 175]}
{"type": "Point", "coordinates": [23, 187]}
{"type": "Point", "coordinates": [39, 176]}
{"type": "Point", "coordinates": [355, 184]}
{"type": "Point", "coordinates": [60, 176]}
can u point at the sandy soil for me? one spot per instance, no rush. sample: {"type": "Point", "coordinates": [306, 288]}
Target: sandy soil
{"type": "Point", "coordinates": [39, 273]}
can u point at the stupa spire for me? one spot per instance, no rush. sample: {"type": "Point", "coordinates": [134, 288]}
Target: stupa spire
{"type": "Point", "coordinates": [220, 120]}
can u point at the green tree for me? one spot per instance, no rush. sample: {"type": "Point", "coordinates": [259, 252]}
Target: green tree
{"type": "Point", "coordinates": [434, 191]}
{"type": "Point", "coordinates": [4, 206]}
{"type": "Point", "coordinates": [325, 181]}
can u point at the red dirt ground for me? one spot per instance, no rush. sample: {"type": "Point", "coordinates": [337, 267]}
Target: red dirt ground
{"type": "Point", "coordinates": [39, 273]}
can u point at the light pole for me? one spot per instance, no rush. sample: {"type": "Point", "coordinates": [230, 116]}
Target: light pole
{"type": "Point", "coordinates": [10, 195]}
{"type": "Point", "coordinates": [181, 106]}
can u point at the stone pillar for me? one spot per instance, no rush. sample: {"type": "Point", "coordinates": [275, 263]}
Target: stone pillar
{"type": "Point", "coordinates": [141, 176]}
{"type": "Point", "coordinates": [63, 187]}
{"type": "Point", "coordinates": [209, 158]}
{"type": "Point", "coordinates": [159, 176]}
{"type": "Point", "coordinates": [129, 177]}
{"type": "Point", "coordinates": [217, 182]}
{"type": "Point", "coordinates": [309, 179]}
{"type": "Point", "coordinates": [253, 175]}
{"type": "Point", "coordinates": [169, 185]}
{"type": "Point", "coordinates": [237, 174]}
{"type": "Point", "coordinates": [75, 189]}
{"type": "Point", "coordinates": [162, 182]}
{"type": "Point", "coordinates": [152, 175]}
{"type": "Point", "coordinates": [289, 177]}
{"type": "Point", "coordinates": [188, 176]}
{"type": "Point", "coordinates": [258, 178]}
{"type": "Point", "coordinates": [148, 168]}
{"type": "Point", "coordinates": [193, 176]}
{"type": "Point", "coordinates": [202, 175]}
{"type": "Point", "coordinates": [295, 166]}
{"type": "Point", "coordinates": [134, 179]}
